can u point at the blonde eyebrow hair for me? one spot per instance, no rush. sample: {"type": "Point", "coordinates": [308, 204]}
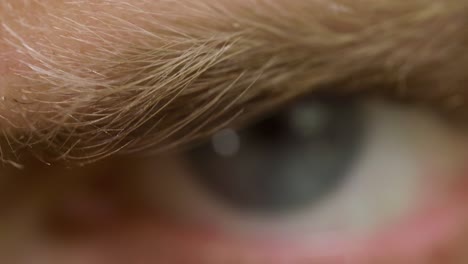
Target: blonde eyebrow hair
{"type": "Point", "coordinates": [161, 79]}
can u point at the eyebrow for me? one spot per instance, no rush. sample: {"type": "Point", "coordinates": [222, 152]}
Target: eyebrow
{"type": "Point", "coordinates": [161, 79]}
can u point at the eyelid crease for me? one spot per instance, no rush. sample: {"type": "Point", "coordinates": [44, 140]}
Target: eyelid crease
{"type": "Point", "coordinates": [158, 80]}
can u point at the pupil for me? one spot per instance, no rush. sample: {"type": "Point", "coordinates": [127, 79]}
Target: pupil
{"type": "Point", "coordinates": [289, 160]}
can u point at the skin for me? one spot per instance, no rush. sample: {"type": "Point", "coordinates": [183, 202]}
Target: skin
{"type": "Point", "coordinates": [60, 59]}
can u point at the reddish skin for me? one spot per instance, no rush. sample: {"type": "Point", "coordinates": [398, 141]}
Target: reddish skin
{"type": "Point", "coordinates": [433, 234]}
{"type": "Point", "coordinates": [417, 238]}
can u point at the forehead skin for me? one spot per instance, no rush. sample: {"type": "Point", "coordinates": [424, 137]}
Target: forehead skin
{"type": "Point", "coordinates": [87, 79]}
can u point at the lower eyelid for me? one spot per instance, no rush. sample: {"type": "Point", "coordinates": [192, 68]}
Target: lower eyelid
{"type": "Point", "coordinates": [428, 230]}
{"type": "Point", "coordinates": [176, 241]}
{"type": "Point", "coordinates": [415, 239]}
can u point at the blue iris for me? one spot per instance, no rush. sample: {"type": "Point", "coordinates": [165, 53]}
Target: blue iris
{"type": "Point", "coordinates": [288, 160]}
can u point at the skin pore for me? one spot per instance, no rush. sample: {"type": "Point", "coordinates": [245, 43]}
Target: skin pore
{"type": "Point", "coordinates": [81, 81]}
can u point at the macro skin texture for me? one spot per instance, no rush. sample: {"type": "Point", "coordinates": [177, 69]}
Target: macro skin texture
{"type": "Point", "coordinates": [82, 81]}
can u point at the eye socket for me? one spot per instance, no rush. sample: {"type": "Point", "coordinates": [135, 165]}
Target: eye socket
{"type": "Point", "coordinates": [285, 161]}
{"type": "Point", "coordinates": [383, 169]}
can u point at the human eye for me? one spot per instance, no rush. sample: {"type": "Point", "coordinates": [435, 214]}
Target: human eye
{"type": "Point", "coordinates": [322, 179]}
